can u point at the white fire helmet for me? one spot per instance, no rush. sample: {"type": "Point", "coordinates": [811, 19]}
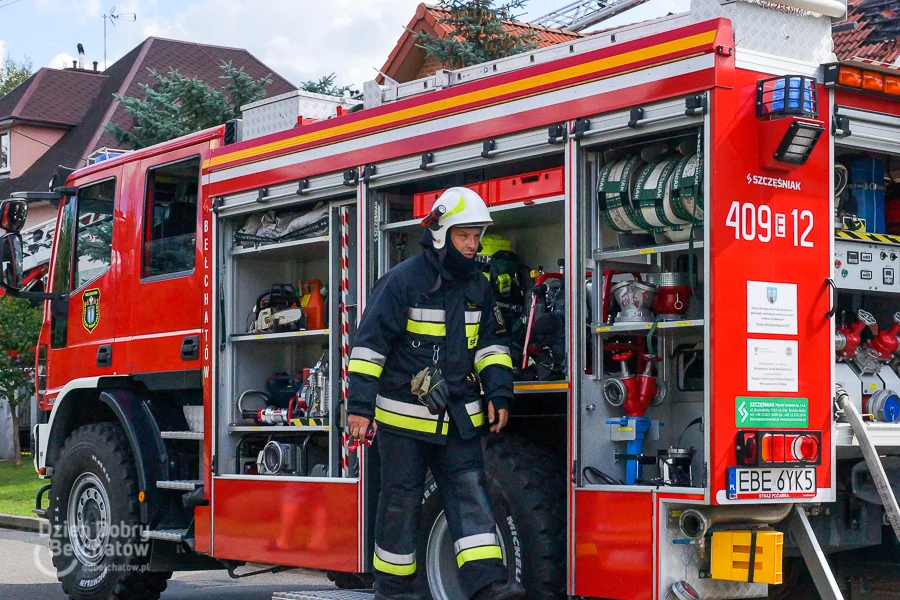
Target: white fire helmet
{"type": "Point", "coordinates": [457, 207]}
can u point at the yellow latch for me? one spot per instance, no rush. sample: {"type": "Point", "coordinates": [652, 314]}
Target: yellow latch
{"type": "Point", "coordinates": [731, 556]}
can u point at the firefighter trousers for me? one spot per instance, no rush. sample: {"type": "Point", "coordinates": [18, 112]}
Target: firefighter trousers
{"type": "Point", "coordinates": [458, 469]}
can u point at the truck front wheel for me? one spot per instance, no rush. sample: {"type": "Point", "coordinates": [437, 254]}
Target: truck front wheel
{"type": "Point", "coordinates": [95, 533]}
{"type": "Point", "coordinates": [529, 498]}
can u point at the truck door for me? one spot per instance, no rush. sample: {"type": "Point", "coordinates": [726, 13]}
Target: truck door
{"type": "Point", "coordinates": [86, 266]}
{"type": "Point", "coordinates": [164, 284]}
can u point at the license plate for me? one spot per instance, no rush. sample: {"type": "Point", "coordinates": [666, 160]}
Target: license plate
{"type": "Point", "coordinates": [770, 484]}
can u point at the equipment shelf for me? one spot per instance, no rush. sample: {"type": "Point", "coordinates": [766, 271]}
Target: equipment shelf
{"type": "Point", "coordinates": [502, 216]}
{"type": "Point", "coordinates": [276, 428]}
{"type": "Point", "coordinates": [277, 337]}
{"type": "Point", "coordinates": [318, 246]}
{"type": "Point", "coordinates": [660, 249]}
{"type": "Point", "coordinates": [540, 387]}
{"type": "Point", "coordinates": [631, 327]}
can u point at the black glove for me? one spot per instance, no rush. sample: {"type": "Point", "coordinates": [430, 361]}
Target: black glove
{"type": "Point", "coordinates": [431, 389]}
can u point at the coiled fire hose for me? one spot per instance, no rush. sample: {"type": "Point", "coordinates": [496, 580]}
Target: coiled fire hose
{"type": "Point", "coordinates": [871, 455]}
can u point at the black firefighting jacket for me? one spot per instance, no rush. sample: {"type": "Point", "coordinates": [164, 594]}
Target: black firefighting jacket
{"type": "Point", "coordinates": [420, 312]}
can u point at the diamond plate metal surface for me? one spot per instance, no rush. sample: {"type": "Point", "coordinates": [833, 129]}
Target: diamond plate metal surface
{"type": "Point", "coordinates": [279, 113]}
{"type": "Point", "coordinates": [371, 94]}
{"type": "Point", "coordinates": [767, 30]}
{"type": "Point", "coordinates": [681, 562]}
{"type": "Point", "coordinates": [326, 595]}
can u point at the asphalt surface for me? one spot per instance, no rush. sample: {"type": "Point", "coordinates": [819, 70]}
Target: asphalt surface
{"type": "Point", "coordinates": [26, 573]}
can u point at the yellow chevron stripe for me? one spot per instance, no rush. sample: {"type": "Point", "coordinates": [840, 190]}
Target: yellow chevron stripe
{"type": "Point", "coordinates": [519, 85]}
{"type": "Point", "coordinates": [878, 238]}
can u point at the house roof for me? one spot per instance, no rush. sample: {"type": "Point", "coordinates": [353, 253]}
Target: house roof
{"type": "Point", "coordinates": [37, 97]}
{"type": "Point", "coordinates": [406, 59]}
{"type": "Point", "coordinates": [191, 59]}
{"type": "Point", "coordinates": [852, 44]}
{"type": "Point", "coordinates": [52, 96]}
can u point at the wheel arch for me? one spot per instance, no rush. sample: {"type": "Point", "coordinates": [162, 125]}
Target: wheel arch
{"type": "Point", "coordinates": [112, 400]}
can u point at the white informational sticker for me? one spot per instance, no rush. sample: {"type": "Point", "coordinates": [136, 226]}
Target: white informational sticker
{"type": "Point", "coordinates": [771, 307]}
{"type": "Point", "coordinates": [772, 366]}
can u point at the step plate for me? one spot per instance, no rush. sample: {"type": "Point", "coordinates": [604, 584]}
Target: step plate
{"type": "Point", "coordinates": [168, 535]}
{"type": "Point", "coordinates": [326, 595]}
{"type": "Point", "coordinates": [188, 485]}
{"type": "Point", "coordinates": [181, 435]}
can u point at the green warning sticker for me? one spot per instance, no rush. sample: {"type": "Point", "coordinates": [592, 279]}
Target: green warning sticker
{"type": "Point", "coordinates": [765, 413]}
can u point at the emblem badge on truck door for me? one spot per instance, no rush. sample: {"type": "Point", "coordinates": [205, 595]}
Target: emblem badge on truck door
{"type": "Point", "coordinates": [90, 309]}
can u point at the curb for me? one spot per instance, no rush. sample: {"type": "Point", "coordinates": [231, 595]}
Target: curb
{"type": "Point", "coordinates": [33, 524]}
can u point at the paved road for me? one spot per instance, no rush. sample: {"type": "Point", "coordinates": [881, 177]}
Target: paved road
{"type": "Point", "coordinates": [24, 575]}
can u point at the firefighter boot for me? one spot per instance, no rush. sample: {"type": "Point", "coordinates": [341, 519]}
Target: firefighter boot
{"type": "Point", "coordinates": [512, 590]}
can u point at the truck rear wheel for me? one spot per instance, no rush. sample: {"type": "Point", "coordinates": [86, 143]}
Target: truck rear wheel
{"type": "Point", "coordinates": [529, 499]}
{"type": "Point", "coordinates": [95, 535]}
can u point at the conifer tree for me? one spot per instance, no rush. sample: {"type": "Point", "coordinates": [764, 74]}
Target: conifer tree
{"type": "Point", "coordinates": [176, 105]}
{"type": "Point", "coordinates": [326, 85]}
{"type": "Point", "coordinates": [477, 33]}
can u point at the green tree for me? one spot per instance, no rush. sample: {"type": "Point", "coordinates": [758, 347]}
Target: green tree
{"type": "Point", "coordinates": [326, 85]}
{"type": "Point", "coordinates": [20, 325]}
{"type": "Point", "coordinates": [13, 73]}
{"type": "Point", "coordinates": [477, 33]}
{"type": "Point", "coordinates": [176, 105]}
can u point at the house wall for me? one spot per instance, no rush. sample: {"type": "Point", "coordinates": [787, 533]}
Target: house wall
{"type": "Point", "coordinates": [27, 144]}
{"type": "Point", "coordinates": [39, 212]}
{"type": "Point", "coordinates": [429, 68]}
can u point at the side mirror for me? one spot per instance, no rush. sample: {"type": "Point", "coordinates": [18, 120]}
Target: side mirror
{"type": "Point", "coordinates": [13, 213]}
{"type": "Point", "coordinates": [11, 265]}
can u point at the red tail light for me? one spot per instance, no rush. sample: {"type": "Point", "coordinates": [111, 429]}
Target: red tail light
{"type": "Point", "coordinates": [779, 447]}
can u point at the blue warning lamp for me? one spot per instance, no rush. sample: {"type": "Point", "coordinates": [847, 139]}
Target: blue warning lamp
{"type": "Point", "coordinates": [787, 96]}
{"type": "Point", "coordinates": [788, 108]}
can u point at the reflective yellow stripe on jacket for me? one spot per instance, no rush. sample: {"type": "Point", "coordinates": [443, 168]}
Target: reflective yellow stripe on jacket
{"type": "Point", "coordinates": [427, 321]}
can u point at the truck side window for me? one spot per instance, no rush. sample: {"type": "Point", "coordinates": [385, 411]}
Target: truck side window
{"type": "Point", "coordinates": [93, 241]}
{"type": "Point", "coordinates": [170, 229]}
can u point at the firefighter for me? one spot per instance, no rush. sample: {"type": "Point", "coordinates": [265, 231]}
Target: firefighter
{"type": "Point", "coordinates": [429, 336]}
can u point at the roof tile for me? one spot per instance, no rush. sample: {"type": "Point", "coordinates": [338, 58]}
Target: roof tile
{"type": "Point", "coordinates": [852, 44]}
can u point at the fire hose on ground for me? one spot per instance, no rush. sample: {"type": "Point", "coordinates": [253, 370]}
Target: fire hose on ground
{"type": "Point", "coordinates": [851, 414]}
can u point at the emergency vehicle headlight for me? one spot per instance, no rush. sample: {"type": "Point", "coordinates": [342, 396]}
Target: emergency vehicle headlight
{"type": "Point", "coordinates": [850, 77]}
{"type": "Point", "coordinates": [798, 142]}
{"type": "Point", "coordinates": [892, 85]}
{"type": "Point", "coordinates": [790, 95]}
{"type": "Point", "coordinates": [873, 82]}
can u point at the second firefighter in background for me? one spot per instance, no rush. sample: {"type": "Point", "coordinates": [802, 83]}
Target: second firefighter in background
{"type": "Point", "coordinates": [429, 341]}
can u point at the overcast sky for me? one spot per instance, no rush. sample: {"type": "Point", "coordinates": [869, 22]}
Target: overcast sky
{"type": "Point", "coordinates": [299, 39]}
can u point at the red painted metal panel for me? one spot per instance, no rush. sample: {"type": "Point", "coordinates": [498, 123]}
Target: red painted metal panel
{"type": "Point", "coordinates": [848, 97]}
{"type": "Point", "coordinates": [649, 92]}
{"type": "Point", "coordinates": [79, 357]}
{"type": "Point", "coordinates": [202, 529]}
{"type": "Point", "coordinates": [161, 312]}
{"type": "Point", "coordinates": [742, 250]}
{"type": "Point", "coordinates": [628, 56]}
{"type": "Point", "coordinates": [309, 524]}
{"type": "Point", "coordinates": [614, 545]}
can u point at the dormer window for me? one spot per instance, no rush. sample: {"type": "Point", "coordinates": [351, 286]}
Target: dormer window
{"type": "Point", "coordinates": [4, 152]}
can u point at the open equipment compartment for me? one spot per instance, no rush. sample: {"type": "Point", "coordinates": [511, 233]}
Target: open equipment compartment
{"type": "Point", "coordinates": [866, 271]}
{"type": "Point", "coordinates": [521, 178]}
{"type": "Point", "coordinates": [280, 336]}
{"type": "Point", "coordinates": [640, 422]}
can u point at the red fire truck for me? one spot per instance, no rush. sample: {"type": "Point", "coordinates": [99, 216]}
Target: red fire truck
{"type": "Point", "coordinates": [691, 242]}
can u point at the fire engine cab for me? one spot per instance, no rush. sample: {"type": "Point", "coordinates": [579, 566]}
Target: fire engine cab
{"type": "Point", "coordinates": [690, 246]}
